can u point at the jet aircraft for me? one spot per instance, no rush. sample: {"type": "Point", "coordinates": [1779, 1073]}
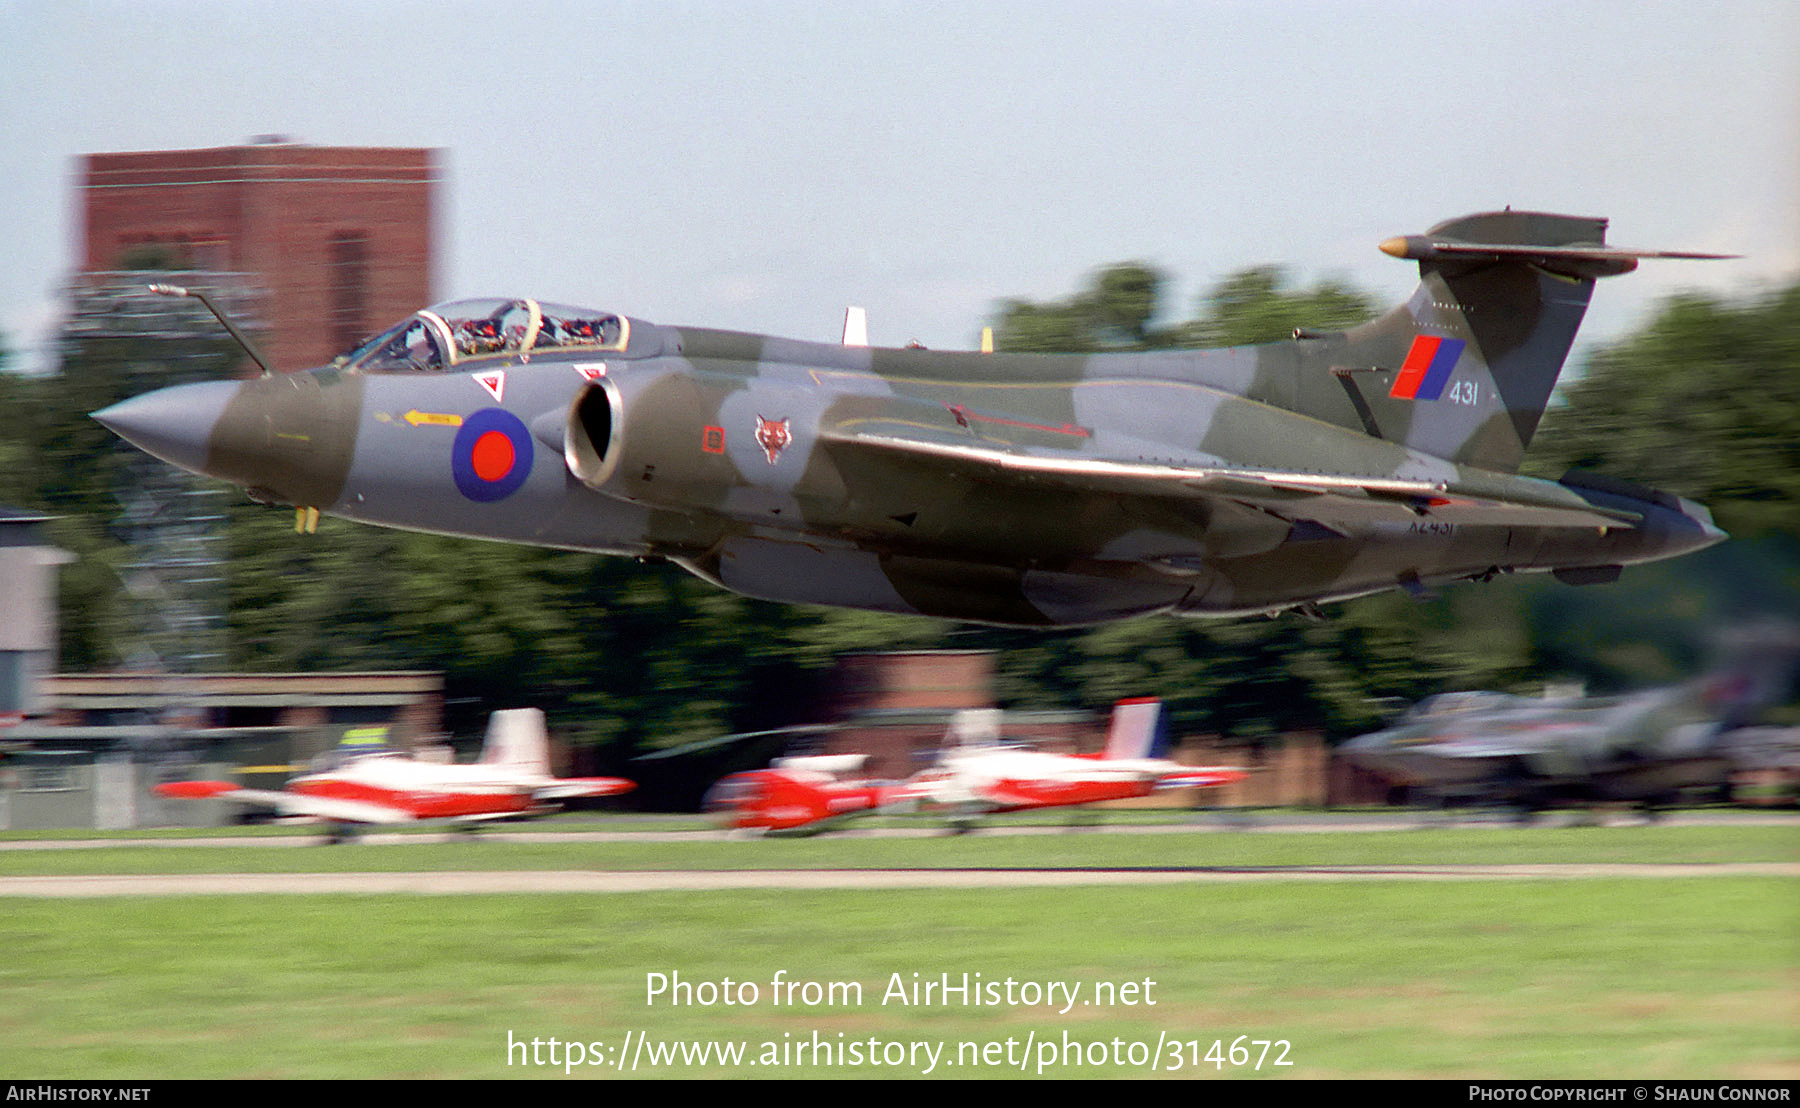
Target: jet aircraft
{"type": "Point", "coordinates": [1011, 489]}
{"type": "Point", "coordinates": [1526, 754]}
{"type": "Point", "coordinates": [377, 785]}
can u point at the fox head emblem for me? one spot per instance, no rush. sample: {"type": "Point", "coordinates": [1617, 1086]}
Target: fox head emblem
{"type": "Point", "coordinates": [773, 436]}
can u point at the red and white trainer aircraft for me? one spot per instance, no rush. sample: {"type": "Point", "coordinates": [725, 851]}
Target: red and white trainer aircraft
{"type": "Point", "coordinates": [980, 775]}
{"type": "Point", "coordinates": [807, 792]}
{"type": "Point", "coordinates": [377, 785]}
{"type": "Point", "coordinates": [974, 776]}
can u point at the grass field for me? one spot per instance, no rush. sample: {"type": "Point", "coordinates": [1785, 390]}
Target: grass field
{"type": "Point", "coordinates": [1440, 846]}
{"type": "Point", "coordinates": [1641, 978]}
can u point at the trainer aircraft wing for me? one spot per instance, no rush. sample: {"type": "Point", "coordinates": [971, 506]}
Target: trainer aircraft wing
{"type": "Point", "coordinates": [570, 788]}
{"type": "Point", "coordinates": [289, 803]}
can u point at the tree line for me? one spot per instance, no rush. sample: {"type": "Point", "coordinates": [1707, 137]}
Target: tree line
{"type": "Point", "coordinates": [1703, 401]}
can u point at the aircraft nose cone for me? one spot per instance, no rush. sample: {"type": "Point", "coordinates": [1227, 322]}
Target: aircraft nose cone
{"type": "Point", "coordinates": [174, 424]}
{"type": "Point", "coordinates": [1364, 748]}
{"type": "Point", "coordinates": [1376, 753]}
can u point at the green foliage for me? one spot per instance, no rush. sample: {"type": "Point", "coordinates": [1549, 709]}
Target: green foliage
{"type": "Point", "coordinates": [1704, 402]}
{"type": "Point", "coordinates": [70, 467]}
{"type": "Point", "coordinates": [1115, 310]}
{"type": "Point", "coordinates": [1112, 313]}
{"type": "Point", "coordinates": [1253, 307]}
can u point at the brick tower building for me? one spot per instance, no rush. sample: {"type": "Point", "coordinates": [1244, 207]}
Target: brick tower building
{"type": "Point", "coordinates": [340, 239]}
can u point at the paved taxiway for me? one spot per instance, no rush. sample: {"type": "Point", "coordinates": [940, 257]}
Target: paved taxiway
{"type": "Point", "coordinates": [1221, 822]}
{"type": "Point", "coordinates": [638, 881]}
{"type": "Point", "coordinates": [598, 881]}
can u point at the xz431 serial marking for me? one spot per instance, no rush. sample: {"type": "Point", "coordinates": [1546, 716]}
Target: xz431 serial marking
{"type": "Point", "coordinates": [1431, 527]}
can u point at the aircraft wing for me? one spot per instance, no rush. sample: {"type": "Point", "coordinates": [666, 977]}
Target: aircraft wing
{"type": "Point", "coordinates": [1321, 497]}
{"type": "Point", "coordinates": [568, 788]}
{"type": "Point", "coordinates": [1200, 777]}
{"type": "Point", "coordinates": [1159, 773]}
{"type": "Point", "coordinates": [288, 804]}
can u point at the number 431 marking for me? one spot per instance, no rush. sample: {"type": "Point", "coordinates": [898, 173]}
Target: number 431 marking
{"type": "Point", "coordinates": [1464, 392]}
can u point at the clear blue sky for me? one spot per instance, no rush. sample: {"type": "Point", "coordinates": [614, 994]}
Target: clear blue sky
{"type": "Point", "coordinates": [761, 164]}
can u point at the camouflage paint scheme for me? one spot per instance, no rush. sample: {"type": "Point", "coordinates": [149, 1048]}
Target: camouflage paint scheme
{"type": "Point", "coordinates": [1531, 754]}
{"type": "Point", "coordinates": [1033, 490]}
{"type": "Point", "coordinates": [1645, 747]}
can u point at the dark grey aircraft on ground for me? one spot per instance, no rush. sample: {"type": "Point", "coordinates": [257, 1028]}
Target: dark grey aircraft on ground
{"type": "Point", "coordinates": [1491, 748]}
{"type": "Point", "coordinates": [1033, 490]}
{"type": "Point", "coordinates": [1646, 748]}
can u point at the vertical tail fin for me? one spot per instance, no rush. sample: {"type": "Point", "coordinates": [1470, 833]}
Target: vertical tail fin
{"type": "Point", "coordinates": [974, 727]}
{"type": "Point", "coordinates": [517, 737]}
{"type": "Point", "coordinates": [1138, 729]}
{"type": "Point", "coordinates": [1464, 369]}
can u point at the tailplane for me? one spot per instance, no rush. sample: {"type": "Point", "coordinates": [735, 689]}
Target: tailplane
{"type": "Point", "coordinates": [1464, 369]}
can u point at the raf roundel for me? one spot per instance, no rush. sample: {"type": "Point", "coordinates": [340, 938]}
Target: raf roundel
{"type": "Point", "coordinates": [491, 456]}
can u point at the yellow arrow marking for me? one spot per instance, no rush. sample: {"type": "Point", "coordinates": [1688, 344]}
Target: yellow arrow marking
{"type": "Point", "coordinates": [436, 419]}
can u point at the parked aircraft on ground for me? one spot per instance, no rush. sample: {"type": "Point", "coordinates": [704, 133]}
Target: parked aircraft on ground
{"type": "Point", "coordinates": [803, 792]}
{"type": "Point", "coordinates": [376, 785]}
{"type": "Point", "coordinates": [976, 774]}
{"type": "Point", "coordinates": [1647, 748]}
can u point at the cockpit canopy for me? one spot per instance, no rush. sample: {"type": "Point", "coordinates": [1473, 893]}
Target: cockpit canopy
{"type": "Point", "coordinates": [446, 336]}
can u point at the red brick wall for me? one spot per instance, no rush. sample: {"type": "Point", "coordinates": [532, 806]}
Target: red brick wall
{"type": "Point", "coordinates": [929, 679]}
{"type": "Point", "coordinates": [272, 211]}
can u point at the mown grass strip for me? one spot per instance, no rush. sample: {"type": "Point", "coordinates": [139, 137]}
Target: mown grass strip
{"type": "Point", "coordinates": [1586, 978]}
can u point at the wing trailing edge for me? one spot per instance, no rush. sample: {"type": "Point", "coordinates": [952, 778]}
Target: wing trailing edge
{"type": "Point", "coordinates": [287, 804]}
{"type": "Point", "coordinates": [1342, 499]}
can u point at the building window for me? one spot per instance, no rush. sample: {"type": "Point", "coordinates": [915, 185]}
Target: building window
{"type": "Point", "coordinates": [47, 777]}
